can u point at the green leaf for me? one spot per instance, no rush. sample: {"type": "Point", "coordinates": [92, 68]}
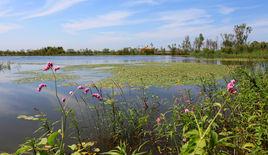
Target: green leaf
{"type": "Point", "coordinates": [76, 153]}
{"type": "Point", "coordinates": [73, 147]}
{"type": "Point", "coordinates": [217, 105]}
{"type": "Point", "coordinates": [248, 146]}
{"type": "Point", "coordinates": [214, 139]}
{"type": "Point", "coordinates": [192, 133]}
{"type": "Point", "coordinates": [96, 150]}
{"type": "Point", "coordinates": [43, 141]}
{"type": "Point", "coordinates": [42, 153]}
{"type": "Point", "coordinates": [52, 138]}
{"type": "Point", "coordinates": [23, 150]}
{"type": "Point", "coordinates": [252, 118]}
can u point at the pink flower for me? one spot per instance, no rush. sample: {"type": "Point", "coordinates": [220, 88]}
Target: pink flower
{"type": "Point", "coordinates": [71, 92]}
{"type": "Point", "coordinates": [184, 140]}
{"type": "Point", "coordinates": [97, 96]}
{"type": "Point", "coordinates": [233, 91]}
{"type": "Point", "coordinates": [230, 87]}
{"type": "Point", "coordinates": [158, 120]}
{"type": "Point", "coordinates": [86, 90]}
{"type": "Point", "coordinates": [57, 68]}
{"type": "Point", "coordinates": [63, 99]}
{"type": "Point", "coordinates": [48, 66]}
{"type": "Point", "coordinates": [186, 110]}
{"type": "Point", "coordinates": [80, 87]}
{"type": "Point", "coordinates": [41, 86]}
{"type": "Point", "coordinates": [233, 81]}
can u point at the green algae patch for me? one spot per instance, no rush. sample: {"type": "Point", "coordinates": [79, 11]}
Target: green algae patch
{"type": "Point", "coordinates": [90, 66]}
{"type": "Point", "coordinates": [36, 76]}
{"type": "Point", "coordinates": [163, 74]}
{"type": "Point", "coordinates": [138, 74]}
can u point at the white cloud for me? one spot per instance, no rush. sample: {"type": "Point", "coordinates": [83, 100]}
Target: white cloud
{"type": "Point", "coordinates": [226, 10]}
{"type": "Point", "coordinates": [107, 20]}
{"type": "Point", "coordinates": [260, 23]}
{"type": "Point", "coordinates": [53, 6]}
{"type": "Point", "coordinates": [141, 2]}
{"type": "Point", "coordinates": [4, 2]}
{"type": "Point", "coordinates": [8, 27]}
{"type": "Point", "coordinates": [173, 19]}
{"type": "Point", "coordinates": [4, 13]}
{"type": "Point", "coordinates": [172, 27]}
{"type": "Point", "coordinates": [159, 37]}
{"type": "Point", "coordinates": [260, 31]}
{"type": "Point", "coordinates": [5, 10]}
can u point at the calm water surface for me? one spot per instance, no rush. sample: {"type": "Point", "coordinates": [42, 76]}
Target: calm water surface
{"type": "Point", "coordinates": [16, 99]}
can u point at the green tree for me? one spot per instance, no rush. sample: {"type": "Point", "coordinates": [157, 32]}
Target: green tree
{"type": "Point", "coordinates": [173, 49]}
{"type": "Point", "coordinates": [242, 32]}
{"type": "Point", "coordinates": [227, 40]}
{"type": "Point", "coordinates": [211, 44]}
{"type": "Point", "coordinates": [186, 44]}
{"type": "Point", "coordinates": [198, 42]}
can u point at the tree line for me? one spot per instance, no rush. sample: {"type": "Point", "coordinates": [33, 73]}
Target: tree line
{"type": "Point", "coordinates": [230, 43]}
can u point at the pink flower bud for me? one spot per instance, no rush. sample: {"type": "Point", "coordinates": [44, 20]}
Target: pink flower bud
{"type": "Point", "coordinates": [80, 87]}
{"type": "Point", "coordinates": [41, 86]}
{"type": "Point", "coordinates": [158, 120]}
{"type": "Point", "coordinates": [233, 81]}
{"type": "Point", "coordinates": [230, 87]}
{"type": "Point", "coordinates": [86, 90]}
{"type": "Point", "coordinates": [71, 93]}
{"type": "Point", "coordinates": [97, 96]}
{"type": "Point", "coordinates": [57, 68]}
{"type": "Point", "coordinates": [48, 66]}
{"type": "Point", "coordinates": [63, 99]}
{"type": "Point", "coordinates": [186, 110]}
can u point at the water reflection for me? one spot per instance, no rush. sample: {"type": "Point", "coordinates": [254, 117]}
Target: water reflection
{"type": "Point", "coordinates": [16, 100]}
{"type": "Point", "coordinates": [22, 99]}
{"type": "Point", "coordinates": [5, 66]}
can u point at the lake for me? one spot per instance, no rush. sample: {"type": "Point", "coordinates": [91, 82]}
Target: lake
{"type": "Point", "coordinates": [21, 97]}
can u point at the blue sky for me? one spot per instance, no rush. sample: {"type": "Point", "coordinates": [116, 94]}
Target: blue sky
{"type": "Point", "coordinates": [98, 24]}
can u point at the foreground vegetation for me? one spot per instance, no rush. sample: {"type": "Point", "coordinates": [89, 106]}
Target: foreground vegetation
{"type": "Point", "coordinates": [231, 45]}
{"type": "Point", "coordinates": [219, 120]}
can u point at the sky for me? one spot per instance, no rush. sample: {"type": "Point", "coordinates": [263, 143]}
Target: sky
{"type": "Point", "coordinates": [115, 24]}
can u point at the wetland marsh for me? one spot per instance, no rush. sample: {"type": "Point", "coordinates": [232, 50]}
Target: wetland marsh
{"type": "Point", "coordinates": [162, 76]}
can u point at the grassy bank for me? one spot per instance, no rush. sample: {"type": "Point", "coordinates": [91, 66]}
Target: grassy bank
{"type": "Point", "coordinates": [259, 54]}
